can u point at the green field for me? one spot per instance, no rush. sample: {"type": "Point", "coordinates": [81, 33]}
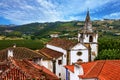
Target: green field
{"type": "Point", "coordinates": [32, 44]}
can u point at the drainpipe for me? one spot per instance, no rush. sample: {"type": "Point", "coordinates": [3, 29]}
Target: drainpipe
{"type": "Point", "coordinates": [67, 77]}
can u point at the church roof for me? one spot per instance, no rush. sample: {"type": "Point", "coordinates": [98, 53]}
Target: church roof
{"type": "Point", "coordinates": [27, 68]}
{"type": "Point", "coordinates": [62, 43]}
{"type": "Point", "coordinates": [103, 69]}
{"type": "Point", "coordinates": [50, 53]}
{"type": "Point", "coordinates": [20, 53]}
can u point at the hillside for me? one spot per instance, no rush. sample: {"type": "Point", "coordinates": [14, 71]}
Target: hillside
{"type": "Point", "coordinates": [40, 30]}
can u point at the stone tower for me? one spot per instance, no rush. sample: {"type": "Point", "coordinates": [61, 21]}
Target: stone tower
{"type": "Point", "coordinates": [89, 36]}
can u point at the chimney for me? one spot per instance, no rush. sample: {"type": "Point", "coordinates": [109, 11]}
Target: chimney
{"type": "Point", "coordinates": [10, 53]}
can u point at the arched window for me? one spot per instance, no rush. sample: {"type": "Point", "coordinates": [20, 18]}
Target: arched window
{"type": "Point", "coordinates": [79, 53]}
{"type": "Point", "coordinates": [79, 60]}
{"type": "Point", "coordinates": [90, 39]}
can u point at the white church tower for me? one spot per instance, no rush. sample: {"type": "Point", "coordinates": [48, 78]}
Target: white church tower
{"type": "Point", "coordinates": [88, 36]}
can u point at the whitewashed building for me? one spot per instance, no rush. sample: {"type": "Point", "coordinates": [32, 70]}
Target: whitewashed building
{"type": "Point", "coordinates": [63, 52]}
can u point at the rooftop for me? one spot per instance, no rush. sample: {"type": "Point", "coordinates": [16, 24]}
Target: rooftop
{"type": "Point", "coordinates": [62, 43]}
{"type": "Point", "coordinates": [101, 69]}
{"type": "Point", "coordinates": [20, 53]}
{"type": "Point", "coordinates": [50, 53]}
{"type": "Point", "coordinates": [29, 69]}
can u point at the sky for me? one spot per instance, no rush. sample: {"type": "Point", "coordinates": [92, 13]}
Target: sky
{"type": "Point", "coordinates": [29, 11]}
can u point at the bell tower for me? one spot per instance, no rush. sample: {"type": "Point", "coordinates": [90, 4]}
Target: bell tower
{"type": "Point", "coordinates": [88, 36]}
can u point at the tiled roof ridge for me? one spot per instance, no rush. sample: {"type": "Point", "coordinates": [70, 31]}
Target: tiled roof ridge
{"type": "Point", "coordinates": [101, 68]}
{"type": "Point", "coordinates": [90, 69]}
{"type": "Point", "coordinates": [93, 67]}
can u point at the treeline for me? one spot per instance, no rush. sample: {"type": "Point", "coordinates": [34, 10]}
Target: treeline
{"type": "Point", "coordinates": [109, 48]}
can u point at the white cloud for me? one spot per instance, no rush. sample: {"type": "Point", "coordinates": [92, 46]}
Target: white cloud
{"type": "Point", "coordinates": [26, 11]}
{"type": "Point", "coordinates": [115, 15]}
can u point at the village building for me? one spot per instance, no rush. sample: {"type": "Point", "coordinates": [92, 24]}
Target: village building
{"type": "Point", "coordinates": [96, 70]}
{"type": "Point", "coordinates": [20, 63]}
{"type": "Point", "coordinates": [66, 52]}
{"type": "Point", "coordinates": [15, 69]}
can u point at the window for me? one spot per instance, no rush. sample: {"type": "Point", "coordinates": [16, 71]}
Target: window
{"type": "Point", "coordinates": [90, 39]}
{"type": "Point", "coordinates": [79, 53]}
{"type": "Point", "coordinates": [59, 62]}
{"type": "Point", "coordinates": [79, 60]}
{"type": "Point", "coordinates": [59, 74]}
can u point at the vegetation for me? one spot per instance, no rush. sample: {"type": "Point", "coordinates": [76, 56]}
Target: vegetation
{"type": "Point", "coordinates": [35, 35]}
{"type": "Point", "coordinates": [109, 48]}
{"type": "Point", "coordinates": [32, 44]}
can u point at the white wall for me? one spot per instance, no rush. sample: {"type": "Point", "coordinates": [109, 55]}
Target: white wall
{"type": "Point", "coordinates": [48, 64]}
{"type": "Point", "coordinates": [78, 70]}
{"type": "Point", "coordinates": [86, 37]}
{"type": "Point", "coordinates": [60, 68]}
{"type": "Point", "coordinates": [94, 48]}
{"type": "Point", "coordinates": [56, 48]}
{"type": "Point", "coordinates": [79, 48]}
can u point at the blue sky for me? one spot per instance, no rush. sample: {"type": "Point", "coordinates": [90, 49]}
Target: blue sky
{"type": "Point", "coordinates": [28, 11]}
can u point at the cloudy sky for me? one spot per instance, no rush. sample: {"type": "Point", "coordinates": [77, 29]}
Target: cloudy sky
{"type": "Point", "coordinates": [28, 11]}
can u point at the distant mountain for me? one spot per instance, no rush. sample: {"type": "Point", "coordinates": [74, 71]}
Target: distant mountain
{"type": "Point", "coordinates": [43, 29]}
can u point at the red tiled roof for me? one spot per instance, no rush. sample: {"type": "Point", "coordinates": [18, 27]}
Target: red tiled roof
{"type": "Point", "coordinates": [63, 43]}
{"type": "Point", "coordinates": [30, 70]}
{"type": "Point", "coordinates": [20, 53]}
{"type": "Point", "coordinates": [49, 74]}
{"type": "Point", "coordinates": [50, 53]}
{"type": "Point", "coordinates": [87, 66]}
{"type": "Point", "coordinates": [70, 67]}
{"type": "Point", "coordinates": [103, 70]}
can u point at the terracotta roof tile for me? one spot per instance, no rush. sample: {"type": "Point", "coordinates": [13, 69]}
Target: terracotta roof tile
{"type": "Point", "coordinates": [103, 70]}
{"type": "Point", "coordinates": [45, 70]}
{"type": "Point", "coordinates": [70, 67]}
{"type": "Point", "coordinates": [87, 66]}
{"type": "Point", "coordinates": [50, 53]}
{"type": "Point", "coordinates": [20, 53]}
{"type": "Point", "coordinates": [63, 43]}
{"type": "Point", "coordinates": [32, 70]}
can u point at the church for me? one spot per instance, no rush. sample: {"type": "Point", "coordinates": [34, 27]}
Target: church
{"type": "Point", "coordinates": [63, 52]}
